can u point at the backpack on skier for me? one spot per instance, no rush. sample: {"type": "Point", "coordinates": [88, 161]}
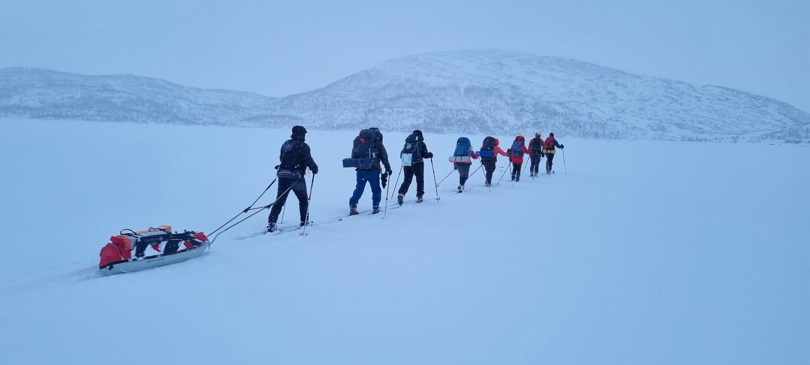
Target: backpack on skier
{"type": "Point", "coordinates": [412, 151]}
{"type": "Point", "coordinates": [516, 151]}
{"type": "Point", "coordinates": [536, 145]}
{"type": "Point", "coordinates": [462, 152]}
{"type": "Point", "coordinates": [364, 151]}
{"type": "Point", "coordinates": [548, 146]}
{"type": "Point", "coordinates": [488, 149]}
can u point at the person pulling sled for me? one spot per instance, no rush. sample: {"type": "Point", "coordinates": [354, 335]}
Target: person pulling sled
{"type": "Point", "coordinates": [295, 158]}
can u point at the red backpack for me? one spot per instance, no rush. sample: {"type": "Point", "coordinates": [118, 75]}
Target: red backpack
{"type": "Point", "coordinates": [549, 144]}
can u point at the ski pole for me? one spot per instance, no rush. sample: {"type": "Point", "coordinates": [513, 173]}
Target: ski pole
{"type": "Point", "coordinates": [524, 167]}
{"type": "Point", "coordinates": [309, 200]}
{"type": "Point", "coordinates": [476, 170]}
{"type": "Point", "coordinates": [564, 165]}
{"type": "Point", "coordinates": [388, 188]}
{"type": "Point", "coordinates": [395, 183]}
{"type": "Point", "coordinates": [448, 175]}
{"type": "Point", "coordinates": [434, 179]}
{"type": "Point", "coordinates": [504, 173]}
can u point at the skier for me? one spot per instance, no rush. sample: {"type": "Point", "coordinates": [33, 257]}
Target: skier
{"type": "Point", "coordinates": [549, 150]}
{"type": "Point", "coordinates": [462, 162]}
{"type": "Point", "coordinates": [295, 158]}
{"type": "Point", "coordinates": [413, 154]}
{"type": "Point", "coordinates": [516, 153]}
{"type": "Point", "coordinates": [369, 145]}
{"type": "Point", "coordinates": [536, 146]}
{"type": "Point", "coordinates": [489, 157]}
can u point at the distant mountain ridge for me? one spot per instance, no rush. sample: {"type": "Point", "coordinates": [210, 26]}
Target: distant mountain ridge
{"type": "Point", "coordinates": [45, 94]}
{"type": "Point", "coordinates": [473, 91]}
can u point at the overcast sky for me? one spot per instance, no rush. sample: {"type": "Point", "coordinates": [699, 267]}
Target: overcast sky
{"type": "Point", "coordinates": [277, 48]}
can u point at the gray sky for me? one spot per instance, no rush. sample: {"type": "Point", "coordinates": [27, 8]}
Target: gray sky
{"type": "Point", "coordinates": [277, 48]}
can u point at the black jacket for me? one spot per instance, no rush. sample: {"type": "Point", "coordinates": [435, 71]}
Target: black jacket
{"type": "Point", "coordinates": [296, 157]}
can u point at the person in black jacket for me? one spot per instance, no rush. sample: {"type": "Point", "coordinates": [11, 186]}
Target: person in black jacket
{"type": "Point", "coordinates": [416, 147]}
{"type": "Point", "coordinates": [295, 158]}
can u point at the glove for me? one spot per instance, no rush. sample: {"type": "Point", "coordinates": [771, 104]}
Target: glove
{"type": "Point", "coordinates": [389, 172]}
{"type": "Point", "coordinates": [384, 179]}
{"type": "Point", "coordinates": [562, 146]}
{"type": "Point", "coordinates": [276, 167]}
{"type": "Point", "coordinates": [428, 154]}
{"type": "Point", "coordinates": [314, 171]}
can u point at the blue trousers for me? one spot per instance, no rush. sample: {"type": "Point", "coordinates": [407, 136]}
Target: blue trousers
{"type": "Point", "coordinates": [373, 179]}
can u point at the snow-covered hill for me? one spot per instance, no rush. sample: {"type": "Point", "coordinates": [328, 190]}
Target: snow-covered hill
{"type": "Point", "coordinates": [473, 91]}
{"type": "Point", "coordinates": [485, 91]}
{"type": "Point", "coordinates": [44, 94]}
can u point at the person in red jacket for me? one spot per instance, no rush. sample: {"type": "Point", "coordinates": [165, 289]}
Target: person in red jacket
{"type": "Point", "coordinates": [516, 153]}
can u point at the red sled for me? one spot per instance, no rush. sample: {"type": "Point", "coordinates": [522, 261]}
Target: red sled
{"type": "Point", "coordinates": [116, 256]}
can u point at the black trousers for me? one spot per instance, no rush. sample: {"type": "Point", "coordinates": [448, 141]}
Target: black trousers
{"type": "Point", "coordinates": [534, 168]}
{"type": "Point", "coordinates": [489, 168]}
{"type": "Point", "coordinates": [549, 163]}
{"type": "Point", "coordinates": [516, 167]}
{"type": "Point", "coordinates": [418, 170]}
{"type": "Point", "coordinates": [463, 172]}
{"type": "Point", "coordinates": [299, 188]}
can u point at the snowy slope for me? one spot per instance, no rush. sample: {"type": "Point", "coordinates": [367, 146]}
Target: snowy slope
{"type": "Point", "coordinates": [45, 94]}
{"type": "Point", "coordinates": [645, 254]}
{"type": "Point", "coordinates": [491, 91]}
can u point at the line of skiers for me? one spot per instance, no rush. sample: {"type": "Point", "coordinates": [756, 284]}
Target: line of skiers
{"type": "Point", "coordinates": [368, 153]}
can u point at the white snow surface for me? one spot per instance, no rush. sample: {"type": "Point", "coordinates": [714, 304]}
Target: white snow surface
{"type": "Point", "coordinates": [633, 252]}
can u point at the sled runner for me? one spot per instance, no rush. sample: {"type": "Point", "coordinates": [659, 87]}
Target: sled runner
{"type": "Point", "coordinates": [116, 256]}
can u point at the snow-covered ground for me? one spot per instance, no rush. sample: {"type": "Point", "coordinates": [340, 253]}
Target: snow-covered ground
{"type": "Point", "coordinates": [631, 253]}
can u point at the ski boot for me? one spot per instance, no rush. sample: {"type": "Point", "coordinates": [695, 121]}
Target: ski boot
{"type": "Point", "coordinates": [400, 197]}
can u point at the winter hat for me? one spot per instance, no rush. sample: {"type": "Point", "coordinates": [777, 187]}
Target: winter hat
{"type": "Point", "coordinates": [418, 133]}
{"type": "Point", "coordinates": [551, 134]}
{"type": "Point", "coordinates": [537, 134]}
{"type": "Point", "coordinates": [298, 131]}
{"type": "Point", "coordinates": [377, 131]}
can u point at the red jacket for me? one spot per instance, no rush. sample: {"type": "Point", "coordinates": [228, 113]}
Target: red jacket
{"type": "Point", "coordinates": [514, 156]}
{"type": "Point", "coordinates": [497, 150]}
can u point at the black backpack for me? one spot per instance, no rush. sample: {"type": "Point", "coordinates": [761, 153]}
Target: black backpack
{"type": "Point", "coordinates": [364, 151]}
{"type": "Point", "coordinates": [487, 149]}
{"type": "Point", "coordinates": [412, 151]}
{"type": "Point", "coordinates": [365, 145]}
{"type": "Point", "coordinates": [536, 145]}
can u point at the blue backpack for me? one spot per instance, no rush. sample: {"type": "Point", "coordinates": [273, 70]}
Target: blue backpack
{"type": "Point", "coordinates": [463, 146]}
